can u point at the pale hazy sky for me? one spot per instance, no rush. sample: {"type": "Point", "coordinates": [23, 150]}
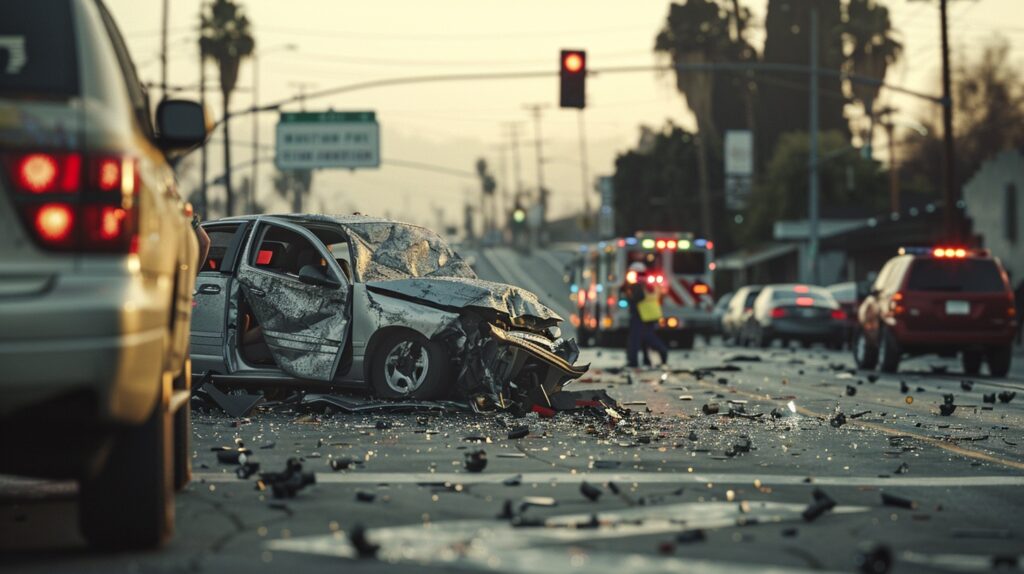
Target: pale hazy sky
{"type": "Point", "coordinates": [452, 124]}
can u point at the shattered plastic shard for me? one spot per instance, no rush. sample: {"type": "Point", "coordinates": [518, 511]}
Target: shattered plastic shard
{"type": "Point", "coordinates": [476, 461]}
{"type": "Point", "coordinates": [822, 503]}
{"type": "Point", "coordinates": [590, 491]}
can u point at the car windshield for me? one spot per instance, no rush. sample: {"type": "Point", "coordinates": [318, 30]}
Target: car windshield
{"type": "Point", "coordinates": [389, 250]}
{"type": "Point", "coordinates": [966, 276]}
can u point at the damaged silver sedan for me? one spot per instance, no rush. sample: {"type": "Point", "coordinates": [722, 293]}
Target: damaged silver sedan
{"type": "Point", "coordinates": [360, 302]}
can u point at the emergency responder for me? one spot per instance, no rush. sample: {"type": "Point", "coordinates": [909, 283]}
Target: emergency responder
{"type": "Point", "coordinates": [644, 314]}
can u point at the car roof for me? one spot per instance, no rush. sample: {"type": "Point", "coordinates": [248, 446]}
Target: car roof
{"type": "Point", "coordinates": [316, 218]}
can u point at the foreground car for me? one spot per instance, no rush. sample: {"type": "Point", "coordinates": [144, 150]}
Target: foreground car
{"type": "Point", "coordinates": [943, 300]}
{"type": "Point", "coordinates": [362, 302]}
{"type": "Point", "coordinates": [96, 272]}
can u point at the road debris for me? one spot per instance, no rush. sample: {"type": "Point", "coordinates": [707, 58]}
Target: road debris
{"type": "Point", "coordinates": [518, 432]}
{"type": "Point", "coordinates": [874, 559]}
{"type": "Point", "coordinates": [590, 491]}
{"type": "Point", "coordinates": [821, 504]}
{"type": "Point", "coordinates": [476, 461]}
{"type": "Point", "coordinates": [287, 483]}
{"type": "Point", "coordinates": [1006, 396]}
{"type": "Point", "coordinates": [898, 501]}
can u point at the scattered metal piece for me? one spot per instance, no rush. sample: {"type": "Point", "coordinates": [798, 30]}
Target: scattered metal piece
{"type": "Point", "coordinates": [851, 390]}
{"type": "Point", "coordinates": [519, 432]}
{"type": "Point", "coordinates": [590, 491]}
{"type": "Point", "coordinates": [693, 535]}
{"type": "Point", "coordinates": [365, 496]}
{"type": "Point", "coordinates": [838, 420]}
{"type": "Point", "coordinates": [898, 501]}
{"type": "Point", "coordinates": [874, 559]}
{"type": "Point", "coordinates": [821, 504]}
{"type": "Point", "coordinates": [290, 481]}
{"type": "Point", "coordinates": [710, 409]}
{"type": "Point", "coordinates": [903, 468]}
{"type": "Point", "coordinates": [476, 461]}
{"type": "Point", "coordinates": [1006, 396]}
{"type": "Point", "coordinates": [989, 398]}
{"type": "Point", "coordinates": [364, 548]}
{"type": "Point", "coordinates": [247, 469]}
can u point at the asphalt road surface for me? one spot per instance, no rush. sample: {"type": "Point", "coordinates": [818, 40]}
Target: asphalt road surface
{"type": "Point", "coordinates": [677, 490]}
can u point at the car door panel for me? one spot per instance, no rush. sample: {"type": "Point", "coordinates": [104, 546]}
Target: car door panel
{"type": "Point", "coordinates": [305, 326]}
{"type": "Point", "coordinates": [210, 302]}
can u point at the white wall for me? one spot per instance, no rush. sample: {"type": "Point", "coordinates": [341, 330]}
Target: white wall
{"type": "Point", "coordinates": [985, 197]}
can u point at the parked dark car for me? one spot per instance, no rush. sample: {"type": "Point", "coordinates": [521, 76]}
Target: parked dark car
{"type": "Point", "coordinates": [369, 303]}
{"type": "Point", "coordinates": [944, 300]}
{"type": "Point", "coordinates": [846, 294]}
{"type": "Point", "coordinates": [802, 313]}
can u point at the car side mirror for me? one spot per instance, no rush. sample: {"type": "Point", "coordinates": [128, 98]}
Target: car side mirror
{"type": "Point", "coordinates": [181, 125]}
{"type": "Point", "coordinates": [312, 275]}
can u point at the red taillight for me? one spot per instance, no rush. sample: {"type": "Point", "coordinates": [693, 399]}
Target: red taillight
{"type": "Point", "coordinates": [839, 315]}
{"type": "Point", "coordinates": [47, 173]}
{"type": "Point", "coordinates": [611, 301]}
{"type": "Point", "coordinates": [896, 304]}
{"type": "Point", "coordinates": [88, 217]}
{"type": "Point", "coordinates": [660, 244]}
{"type": "Point", "coordinates": [54, 223]}
{"type": "Point", "coordinates": [778, 313]}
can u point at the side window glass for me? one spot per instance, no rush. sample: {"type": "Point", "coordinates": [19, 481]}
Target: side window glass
{"type": "Point", "coordinates": [285, 252]}
{"type": "Point", "coordinates": [137, 94]}
{"type": "Point", "coordinates": [220, 241]}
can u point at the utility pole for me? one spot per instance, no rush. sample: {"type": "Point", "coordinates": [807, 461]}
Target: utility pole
{"type": "Point", "coordinates": [885, 116]}
{"type": "Point", "coordinates": [585, 171]}
{"type": "Point", "coordinates": [254, 176]}
{"type": "Point", "coordinates": [513, 132]}
{"type": "Point", "coordinates": [950, 194]}
{"type": "Point", "coordinates": [812, 157]}
{"type": "Point", "coordinates": [163, 50]}
{"type": "Point", "coordinates": [502, 198]}
{"type": "Point", "coordinates": [542, 192]}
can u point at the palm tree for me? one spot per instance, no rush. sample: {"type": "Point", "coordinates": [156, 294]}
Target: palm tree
{"type": "Point", "coordinates": [870, 48]}
{"type": "Point", "coordinates": [697, 32]}
{"type": "Point", "coordinates": [295, 185]}
{"type": "Point", "coordinates": [226, 39]}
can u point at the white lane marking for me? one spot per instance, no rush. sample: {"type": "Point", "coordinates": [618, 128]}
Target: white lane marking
{"type": "Point", "coordinates": [496, 545]}
{"type": "Point", "coordinates": [514, 275]}
{"type": "Point", "coordinates": [957, 562]}
{"type": "Point", "coordinates": [641, 477]}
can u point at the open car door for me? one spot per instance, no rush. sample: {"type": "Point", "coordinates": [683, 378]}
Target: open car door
{"type": "Point", "coordinates": [299, 297]}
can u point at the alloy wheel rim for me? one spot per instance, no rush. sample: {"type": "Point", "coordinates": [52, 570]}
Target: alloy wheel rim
{"type": "Point", "coordinates": [405, 369]}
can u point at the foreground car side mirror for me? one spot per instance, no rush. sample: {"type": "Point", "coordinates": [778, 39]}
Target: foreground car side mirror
{"type": "Point", "coordinates": [312, 275]}
{"type": "Point", "coordinates": [181, 125]}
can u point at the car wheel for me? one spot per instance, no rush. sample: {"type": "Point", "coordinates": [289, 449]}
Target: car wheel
{"type": "Point", "coordinates": [865, 354]}
{"type": "Point", "coordinates": [888, 352]}
{"type": "Point", "coordinates": [407, 365]}
{"type": "Point", "coordinates": [183, 432]}
{"type": "Point", "coordinates": [998, 358]}
{"type": "Point", "coordinates": [763, 340]}
{"type": "Point", "coordinates": [130, 503]}
{"type": "Point", "coordinates": [971, 360]}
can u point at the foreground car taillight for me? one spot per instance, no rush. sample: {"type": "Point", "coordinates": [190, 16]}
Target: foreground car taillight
{"type": "Point", "coordinates": [71, 202]}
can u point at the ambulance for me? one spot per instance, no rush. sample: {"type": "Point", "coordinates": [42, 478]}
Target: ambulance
{"type": "Point", "coordinates": [679, 266]}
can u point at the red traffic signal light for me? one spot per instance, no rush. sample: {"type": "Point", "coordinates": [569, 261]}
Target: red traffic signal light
{"type": "Point", "coordinates": [572, 77]}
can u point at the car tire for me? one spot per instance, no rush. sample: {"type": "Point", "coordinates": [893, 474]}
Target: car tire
{"type": "Point", "coordinates": [998, 358]}
{"type": "Point", "coordinates": [406, 356]}
{"type": "Point", "coordinates": [971, 360]}
{"type": "Point", "coordinates": [183, 431]}
{"type": "Point", "coordinates": [686, 340]}
{"type": "Point", "coordinates": [888, 352]}
{"type": "Point", "coordinates": [763, 340]}
{"type": "Point", "coordinates": [865, 354]}
{"type": "Point", "coordinates": [129, 504]}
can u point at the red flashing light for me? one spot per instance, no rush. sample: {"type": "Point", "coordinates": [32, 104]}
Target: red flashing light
{"type": "Point", "coordinates": [778, 313]}
{"type": "Point", "coordinates": [950, 252]}
{"type": "Point", "coordinates": [264, 256]}
{"type": "Point", "coordinates": [573, 62]}
{"type": "Point", "coordinates": [801, 289]}
{"type": "Point", "coordinates": [805, 301]}
{"type": "Point", "coordinates": [710, 245]}
{"type": "Point", "coordinates": [660, 244]}
{"type": "Point", "coordinates": [650, 279]}
{"type": "Point", "coordinates": [54, 222]}
{"type": "Point", "coordinates": [622, 243]}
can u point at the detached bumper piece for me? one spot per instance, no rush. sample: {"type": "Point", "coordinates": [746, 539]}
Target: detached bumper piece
{"type": "Point", "coordinates": [513, 370]}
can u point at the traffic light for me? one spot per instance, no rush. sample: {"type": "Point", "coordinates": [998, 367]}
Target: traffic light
{"type": "Point", "coordinates": [572, 68]}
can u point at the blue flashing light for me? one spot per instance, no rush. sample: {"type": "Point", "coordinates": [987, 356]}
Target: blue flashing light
{"type": "Point", "coordinates": [574, 288]}
{"type": "Point", "coordinates": [600, 288]}
{"type": "Point", "coordinates": [623, 303]}
{"type": "Point", "coordinates": [700, 242]}
{"type": "Point", "coordinates": [631, 241]}
{"type": "Point", "coordinates": [600, 245]}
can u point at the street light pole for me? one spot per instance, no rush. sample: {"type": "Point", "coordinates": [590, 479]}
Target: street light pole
{"type": "Point", "coordinates": [812, 157]}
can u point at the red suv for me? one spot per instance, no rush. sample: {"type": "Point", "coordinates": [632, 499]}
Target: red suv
{"type": "Point", "coordinates": [943, 300]}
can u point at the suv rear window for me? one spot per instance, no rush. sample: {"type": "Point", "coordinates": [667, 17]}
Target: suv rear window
{"type": "Point", "coordinates": [960, 275]}
{"type": "Point", "coordinates": [37, 49]}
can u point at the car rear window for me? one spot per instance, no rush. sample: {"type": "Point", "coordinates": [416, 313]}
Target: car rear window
{"type": "Point", "coordinates": [37, 49]}
{"type": "Point", "coordinates": [960, 275]}
{"type": "Point", "coordinates": [751, 295]}
{"type": "Point", "coordinates": [688, 262]}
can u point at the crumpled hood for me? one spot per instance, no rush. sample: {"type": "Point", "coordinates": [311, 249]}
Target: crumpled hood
{"type": "Point", "coordinates": [461, 292]}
